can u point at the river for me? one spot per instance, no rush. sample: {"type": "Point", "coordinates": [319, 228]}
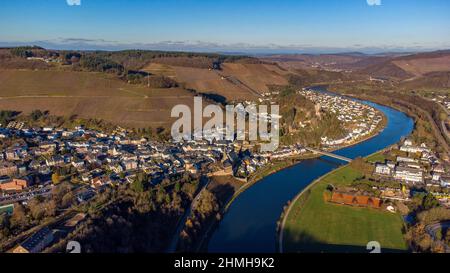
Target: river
{"type": "Point", "coordinates": [249, 226]}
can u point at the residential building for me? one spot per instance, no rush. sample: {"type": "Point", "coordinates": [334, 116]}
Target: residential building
{"type": "Point", "coordinates": [7, 168]}
{"type": "Point", "coordinates": [14, 185]}
{"type": "Point", "coordinates": [382, 169]}
{"type": "Point", "coordinates": [409, 175]}
{"type": "Point", "coordinates": [36, 243]}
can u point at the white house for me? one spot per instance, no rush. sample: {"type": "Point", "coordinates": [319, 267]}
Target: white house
{"type": "Point", "coordinates": [382, 169]}
{"type": "Point", "coordinates": [409, 175]}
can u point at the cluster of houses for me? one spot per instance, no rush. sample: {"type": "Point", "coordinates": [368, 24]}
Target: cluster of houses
{"type": "Point", "coordinates": [443, 99]}
{"type": "Point", "coordinates": [100, 159]}
{"type": "Point", "coordinates": [359, 120]}
{"type": "Point", "coordinates": [419, 168]}
{"type": "Point", "coordinates": [96, 159]}
{"type": "Point", "coordinates": [44, 59]}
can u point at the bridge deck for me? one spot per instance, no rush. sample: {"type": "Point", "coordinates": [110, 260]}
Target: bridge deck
{"type": "Point", "coordinates": [343, 158]}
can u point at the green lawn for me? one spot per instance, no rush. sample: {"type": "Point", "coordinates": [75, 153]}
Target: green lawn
{"type": "Point", "coordinates": [318, 226]}
{"type": "Point", "coordinates": [377, 158]}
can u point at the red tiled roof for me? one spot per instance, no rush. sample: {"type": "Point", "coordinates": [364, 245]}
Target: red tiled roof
{"type": "Point", "coordinates": [355, 200]}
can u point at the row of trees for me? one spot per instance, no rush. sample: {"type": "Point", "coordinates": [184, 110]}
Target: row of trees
{"type": "Point", "coordinates": [22, 52]}
{"type": "Point", "coordinates": [99, 64]}
{"type": "Point", "coordinates": [420, 238]}
{"type": "Point", "coordinates": [36, 212]}
{"type": "Point", "coordinates": [152, 81]}
{"type": "Point", "coordinates": [7, 116]}
{"type": "Point", "coordinates": [205, 210]}
{"type": "Point", "coordinates": [30, 51]}
{"type": "Point", "coordinates": [137, 59]}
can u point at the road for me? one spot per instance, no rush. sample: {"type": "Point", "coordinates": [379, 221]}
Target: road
{"type": "Point", "coordinates": [24, 196]}
{"type": "Point", "coordinates": [434, 228]}
{"type": "Point", "coordinates": [174, 243]}
{"type": "Point", "coordinates": [444, 127]}
{"type": "Point", "coordinates": [237, 82]}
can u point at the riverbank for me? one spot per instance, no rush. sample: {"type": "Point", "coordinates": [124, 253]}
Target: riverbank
{"type": "Point", "coordinates": [265, 172]}
{"type": "Point", "coordinates": [275, 170]}
{"type": "Point", "coordinates": [310, 224]}
{"type": "Point", "coordinates": [413, 110]}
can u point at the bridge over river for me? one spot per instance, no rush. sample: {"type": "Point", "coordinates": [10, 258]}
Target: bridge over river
{"type": "Point", "coordinates": [316, 151]}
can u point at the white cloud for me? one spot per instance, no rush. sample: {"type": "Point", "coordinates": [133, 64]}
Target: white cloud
{"type": "Point", "coordinates": [74, 2]}
{"type": "Point", "coordinates": [374, 2]}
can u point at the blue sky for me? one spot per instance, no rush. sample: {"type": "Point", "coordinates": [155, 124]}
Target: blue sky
{"type": "Point", "coordinates": [228, 24]}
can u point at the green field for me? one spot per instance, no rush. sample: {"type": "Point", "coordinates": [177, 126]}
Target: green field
{"type": "Point", "coordinates": [377, 158]}
{"type": "Point", "coordinates": [316, 226]}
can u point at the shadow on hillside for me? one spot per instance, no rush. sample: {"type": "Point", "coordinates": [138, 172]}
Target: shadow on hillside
{"type": "Point", "coordinates": [223, 192]}
{"type": "Point", "coordinates": [215, 97]}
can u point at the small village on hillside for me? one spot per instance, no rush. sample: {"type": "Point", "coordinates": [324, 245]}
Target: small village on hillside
{"type": "Point", "coordinates": [360, 120]}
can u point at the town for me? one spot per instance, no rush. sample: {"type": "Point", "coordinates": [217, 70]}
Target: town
{"type": "Point", "coordinates": [360, 120]}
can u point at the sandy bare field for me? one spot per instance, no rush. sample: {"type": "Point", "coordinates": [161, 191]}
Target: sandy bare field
{"type": "Point", "coordinates": [89, 95]}
{"type": "Point", "coordinates": [256, 76]}
{"type": "Point", "coordinates": [235, 81]}
{"type": "Point", "coordinates": [421, 66]}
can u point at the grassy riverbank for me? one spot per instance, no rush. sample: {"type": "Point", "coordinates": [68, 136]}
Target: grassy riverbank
{"type": "Point", "coordinates": [313, 225]}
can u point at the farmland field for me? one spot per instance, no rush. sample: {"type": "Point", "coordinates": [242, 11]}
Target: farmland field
{"type": "Point", "coordinates": [235, 81]}
{"type": "Point", "coordinates": [314, 225]}
{"type": "Point", "coordinates": [89, 95]}
{"type": "Point", "coordinates": [210, 81]}
{"type": "Point", "coordinates": [421, 66]}
{"type": "Point", "coordinates": [256, 76]}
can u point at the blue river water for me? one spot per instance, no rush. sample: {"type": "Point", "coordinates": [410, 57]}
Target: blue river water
{"type": "Point", "coordinates": [249, 226]}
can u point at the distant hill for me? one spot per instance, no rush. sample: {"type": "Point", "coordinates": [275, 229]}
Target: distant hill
{"type": "Point", "coordinates": [113, 86]}
{"type": "Point", "coordinates": [305, 61]}
{"type": "Point", "coordinates": [423, 63]}
{"type": "Point", "coordinates": [138, 59]}
{"type": "Point", "coordinates": [386, 69]}
{"type": "Point", "coordinates": [395, 65]}
{"type": "Point", "coordinates": [433, 80]}
{"type": "Point", "coordinates": [410, 67]}
{"type": "Point", "coordinates": [139, 88]}
{"type": "Point", "coordinates": [231, 76]}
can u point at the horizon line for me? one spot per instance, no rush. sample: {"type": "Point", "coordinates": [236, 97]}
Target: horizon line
{"type": "Point", "coordinates": [211, 47]}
